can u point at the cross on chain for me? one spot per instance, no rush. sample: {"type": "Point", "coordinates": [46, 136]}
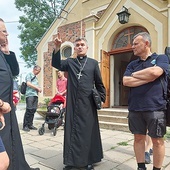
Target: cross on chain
{"type": "Point", "coordinates": [81, 68]}
{"type": "Point", "coordinates": [79, 75]}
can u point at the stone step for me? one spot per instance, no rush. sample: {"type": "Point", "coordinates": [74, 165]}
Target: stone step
{"type": "Point", "coordinates": [114, 126]}
{"type": "Point", "coordinates": [113, 112]}
{"type": "Point", "coordinates": [113, 119]}
{"type": "Point", "coordinates": [116, 119]}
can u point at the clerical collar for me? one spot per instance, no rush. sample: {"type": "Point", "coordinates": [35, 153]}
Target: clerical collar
{"type": "Point", "coordinates": [81, 57]}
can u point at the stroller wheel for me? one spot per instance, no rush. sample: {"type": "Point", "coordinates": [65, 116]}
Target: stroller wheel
{"type": "Point", "coordinates": [41, 131]}
{"type": "Point", "coordinates": [55, 131]}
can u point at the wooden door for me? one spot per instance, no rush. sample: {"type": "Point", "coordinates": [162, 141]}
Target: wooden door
{"type": "Point", "coordinates": [124, 91]}
{"type": "Point", "coordinates": [105, 72]}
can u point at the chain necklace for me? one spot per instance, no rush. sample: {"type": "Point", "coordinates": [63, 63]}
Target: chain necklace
{"type": "Point", "coordinates": [81, 68]}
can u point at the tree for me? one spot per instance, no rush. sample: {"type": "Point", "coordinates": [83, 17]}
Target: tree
{"type": "Point", "coordinates": [37, 18]}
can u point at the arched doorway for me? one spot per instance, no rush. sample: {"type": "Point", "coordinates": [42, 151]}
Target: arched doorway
{"type": "Point", "coordinates": [122, 54]}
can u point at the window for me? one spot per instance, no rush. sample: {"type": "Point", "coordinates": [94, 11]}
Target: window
{"type": "Point", "coordinates": [67, 51]}
{"type": "Point", "coordinates": [124, 38]}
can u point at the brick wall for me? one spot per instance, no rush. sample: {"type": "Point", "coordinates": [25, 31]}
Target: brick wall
{"type": "Point", "coordinates": [72, 31]}
{"type": "Point", "coordinates": [67, 32]}
{"type": "Point", "coordinates": [47, 75]}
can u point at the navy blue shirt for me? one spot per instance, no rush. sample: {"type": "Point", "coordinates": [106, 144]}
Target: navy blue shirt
{"type": "Point", "coordinates": [148, 97]}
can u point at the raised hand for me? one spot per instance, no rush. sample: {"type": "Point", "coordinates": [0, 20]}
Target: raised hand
{"type": "Point", "coordinates": [57, 43]}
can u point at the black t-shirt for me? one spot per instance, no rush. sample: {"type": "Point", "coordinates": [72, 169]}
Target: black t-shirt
{"type": "Point", "coordinates": [147, 97]}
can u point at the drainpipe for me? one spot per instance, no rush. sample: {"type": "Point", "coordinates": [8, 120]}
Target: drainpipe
{"type": "Point", "coordinates": [168, 23]}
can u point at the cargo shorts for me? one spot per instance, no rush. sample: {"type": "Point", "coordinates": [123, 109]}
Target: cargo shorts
{"type": "Point", "coordinates": [152, 121]}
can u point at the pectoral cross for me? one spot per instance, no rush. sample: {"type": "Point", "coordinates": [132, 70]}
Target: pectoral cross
{"type": "Point", "coordinates": [79, 75]}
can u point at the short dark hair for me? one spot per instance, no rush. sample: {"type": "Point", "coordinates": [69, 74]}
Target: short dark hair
{"type": "Point", "coordinates": [37, 67]}
{"type": "Point", "coordinates": [80, 39]}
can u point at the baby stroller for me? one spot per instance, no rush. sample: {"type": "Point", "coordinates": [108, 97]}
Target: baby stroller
{"type": "Point", "coordinates": [54, 115]}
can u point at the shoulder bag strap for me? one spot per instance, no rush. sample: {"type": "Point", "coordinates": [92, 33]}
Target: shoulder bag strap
{"type": "Point", "coordinates": [33, 78]}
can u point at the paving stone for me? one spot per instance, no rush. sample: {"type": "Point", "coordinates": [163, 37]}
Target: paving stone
{"type": "Point", "coordinates": [46, 151]}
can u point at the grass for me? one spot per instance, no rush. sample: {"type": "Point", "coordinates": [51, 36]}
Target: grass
{"type": "Point", "coordinates": [113, 147]}
{"type": "Point", "coordinates": [167, 135]}
{"type": "Point", "coordinates": [42, 108]}
{"type": "Point", "coordinates": [42, 111]}
{"type": "Point", "coordinates": [122, 143]}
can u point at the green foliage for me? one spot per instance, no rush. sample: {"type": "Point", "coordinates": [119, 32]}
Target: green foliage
{"type": "Point", "coordinates": [46, 101]}
{"type": "Point", "coordinates": [37, 18]}
{"type": "Point", "coordinates": [22, 100]}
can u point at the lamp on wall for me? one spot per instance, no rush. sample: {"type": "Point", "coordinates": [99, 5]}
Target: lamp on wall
{"type": "Point", "coordinates": [123, 15]}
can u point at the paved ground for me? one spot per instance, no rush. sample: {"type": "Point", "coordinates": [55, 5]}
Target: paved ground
{"type": "Point", "coordinates": [45, 151]}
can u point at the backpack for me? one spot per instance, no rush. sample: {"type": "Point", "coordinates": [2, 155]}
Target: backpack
{"type": "Point", "coordinates": [23, 87]}
{"type": "Point", "coordinates": [167, 52]}
{"type": "Point", "coordinates": [166, 94]}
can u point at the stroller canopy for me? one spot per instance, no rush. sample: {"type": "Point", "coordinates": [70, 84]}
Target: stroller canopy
{"type": "Point", "coordinates": [58, 99]}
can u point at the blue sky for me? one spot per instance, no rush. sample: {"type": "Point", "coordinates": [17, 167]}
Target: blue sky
{"type": "Point", "coordinates": [10, 14]}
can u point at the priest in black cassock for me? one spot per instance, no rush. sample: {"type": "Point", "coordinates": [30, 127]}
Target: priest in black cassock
{"type": "Point", "coordinates": [82, 140]}
{"type": "Point", "coordinates": [10, 133]}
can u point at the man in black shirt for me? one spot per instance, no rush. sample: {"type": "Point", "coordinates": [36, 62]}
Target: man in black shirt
{"type": "Point", "coordinates": [146, 99]}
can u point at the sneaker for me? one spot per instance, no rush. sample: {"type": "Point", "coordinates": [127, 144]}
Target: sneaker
{"type": "Point", "coordinates": [26, 129]}
{"type": "Point", "coordinates": [141, 169]}
{"type": "Point", "coordinates": [147, 158]}
{"type": "Point", "coordinates": [32, 127]}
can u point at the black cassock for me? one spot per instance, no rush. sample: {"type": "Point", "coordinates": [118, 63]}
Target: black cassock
{"type": "Point", "coordinates": [82, 141]}
{"type": "Point", "coordinates": [10, 134]}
